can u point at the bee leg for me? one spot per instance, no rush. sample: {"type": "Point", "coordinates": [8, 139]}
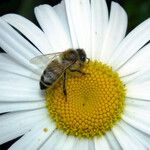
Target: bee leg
{"type": "Point", "coordinates": [88, 60]}
{"type": "Point", "coordinates": [77, 70]}
{"type": "Point", "coordinates": [64, 85]}
{"type": "Point", "coordinates": [43, 86]}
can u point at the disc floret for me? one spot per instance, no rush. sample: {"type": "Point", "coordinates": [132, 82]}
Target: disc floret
{"type": "Point", "coordinates": [95, 101]}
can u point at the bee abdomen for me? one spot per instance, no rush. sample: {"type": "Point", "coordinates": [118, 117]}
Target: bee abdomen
{"type": "Point", "coordinates": [48, 78]}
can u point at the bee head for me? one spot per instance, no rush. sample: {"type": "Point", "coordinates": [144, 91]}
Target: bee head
{"type": "Point", "coordinates": [82, 55]}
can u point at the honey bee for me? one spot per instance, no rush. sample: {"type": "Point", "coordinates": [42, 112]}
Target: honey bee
{"type": "Point", "coordinates": [58, 64]}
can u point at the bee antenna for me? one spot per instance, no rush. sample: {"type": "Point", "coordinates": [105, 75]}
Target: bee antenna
{"type": "Point", "coordinates": [88, 60]}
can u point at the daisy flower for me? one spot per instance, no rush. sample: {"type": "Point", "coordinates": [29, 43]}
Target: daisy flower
{"type": "Point", "coordinates": [108, 108]}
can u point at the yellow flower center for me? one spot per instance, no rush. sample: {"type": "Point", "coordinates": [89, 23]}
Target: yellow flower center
{"type": "Point", "coordinates": [94, 101]}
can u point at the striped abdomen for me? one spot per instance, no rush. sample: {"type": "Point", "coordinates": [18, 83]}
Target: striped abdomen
{"type": "Point", "coordinates": [51, 74]}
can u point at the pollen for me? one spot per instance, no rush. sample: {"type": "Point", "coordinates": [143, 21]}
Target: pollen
{"type": "Point", "coordinates": [94, 102]}
{"type": "Point", "coordinates": [45, 129]}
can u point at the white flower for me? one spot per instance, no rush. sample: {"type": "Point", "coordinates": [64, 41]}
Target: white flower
{"type": "Point", "coordinates": [72, 24]}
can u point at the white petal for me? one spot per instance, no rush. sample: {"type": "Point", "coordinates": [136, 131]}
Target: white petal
{"type": "Point", "coordinates": [61, 12]}
{"type": "Point", "coordinates": [51, 142]}
{"type": "Point", "coordinates": [91, 145]}
{"type": "Point", "coordinates": [70, 143]}
{"type": "Point", "coordinates": [139, 77]}
{"type": "Point", "coordinates": [33, 139]}
{"type": "Point", "coordinates": [17, 41]}
{"type": "Point", "coordinates": [16, 46]}
{"type": "Point", "coordinates": [140, 136]}
{"type": "Point", "coordinates": [99, 12]}
{"type": "Point", "coordinates": [22, 80]}
{"type": "Point", "coordinates": [139, 91]}
{"type": "Point", "coordinates": [31, 31]}
{"type": "Point", "coordinates": [13, 125]}
{"type": "Point", "coordinates": [71, 25]}
{"type": "Point", "coordinates": [80, 15]}
{"type": "Point", "coordinates": [131, 44]}
{"type": "Point", "coordinates": [102, 143]}
{"type": "Point", "coordinates": [17, 88]}
{"type": "Point", "coordinates": [9, 65]}
{"type": "Point", "coordinates": [61, 142]}
{"type": "Point", "coordinates": [115, 32]}
{"type": "Point", "coordinates": [139, 62]}
{"type": "Point", "coordinates": [138, 112]}
{"type": "Point", "coordinates": [138, 117]}
{"type": "Point", "coordinates": [15, 106]}
{"type": "Point", "coordinates": [140, 123]}
{"type": "Point", "coordinates": [80, 144]}
{"type": "Point", "coordinates": [126, 141]}
{"type": "Point", "coordinates": [112, 141]}
{"type": "Point", "coordinates": [53, 27]}
{"type": "Point", "coordinates": [138, 103]}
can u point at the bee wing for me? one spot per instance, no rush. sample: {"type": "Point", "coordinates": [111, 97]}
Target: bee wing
{"type": "Point", "coordinates": [44, 60]}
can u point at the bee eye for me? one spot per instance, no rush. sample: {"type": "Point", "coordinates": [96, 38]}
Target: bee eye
{"type": "Point", "coordinates": [82, 57]}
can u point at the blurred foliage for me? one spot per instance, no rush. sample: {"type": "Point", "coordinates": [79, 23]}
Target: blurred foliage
{"type": "Point", "coordinates": [23, 7]}
{"type": "Point", "coordinates": [137, 10]}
